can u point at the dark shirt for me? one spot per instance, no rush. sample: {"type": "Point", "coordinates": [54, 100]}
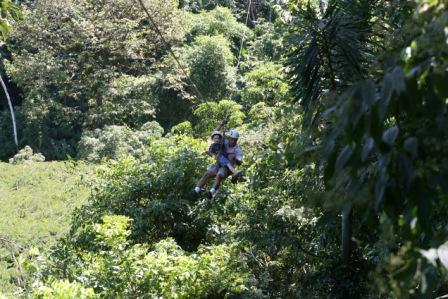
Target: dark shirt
{"type": "Point", "coordinates": [215, 149]}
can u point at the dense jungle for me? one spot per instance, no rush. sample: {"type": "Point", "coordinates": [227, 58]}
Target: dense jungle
{"type": "Point", "coordinates": [223, 149]}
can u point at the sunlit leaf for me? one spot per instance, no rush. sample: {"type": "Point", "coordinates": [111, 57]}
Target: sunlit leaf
{"type": "Point", "coordinates": [430, 255]}
{"type": "Point", "coordinates": [442, 252]}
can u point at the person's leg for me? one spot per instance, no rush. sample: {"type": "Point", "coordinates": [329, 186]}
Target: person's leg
{"type": "Point", "coordinates": [217, 182]}
{"type": "Point", "coordinates": [211, 172]}
{"type": "Point", "coordinates": [207, 175]}
{"type": "Point", "coordinates": [223, 172]}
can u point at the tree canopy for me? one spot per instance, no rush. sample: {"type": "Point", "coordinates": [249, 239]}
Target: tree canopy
{"type": "Point", "coordinates": [342, 111]}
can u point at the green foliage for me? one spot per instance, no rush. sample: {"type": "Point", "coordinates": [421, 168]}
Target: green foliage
{"type": "Point", "coordinates": [211, 114]}
{"type": "Point", "coordinates": [220, 21]}
{"type": "Point", "coordinates": [116, 142]}
{"type": "Point", "coordinates": [396, 141]}
{"type": "Point", "coordinates": [331, 48]}
{"type": "Point", "coordinates": [261, 114]}
{"type": "Point", "coordinates": [259, 9]}
{"type": "Point", "coordinates": [265, 83]}
{"type": "Point", "coordinates": [383, 146]}
{"type": "Point", "coordinates": [85, 64]}
{"type": "Point", "coordinates": [208, 64]}
{"type": "Point", "coordinates": [183, 128]}
{"type": "Point", "coordinates": [130, 101]}
{"type": "Point", "coordinates": [294, 229]}
{"type": "Point", "coordinates": [26, 155]}
{"type": "Point", "coordinates": [155, 194]}
{"type": "Point", "coordinates": [37, 202]}
{"type": "Point", "coordinates": [113, 232]}
{"type": "Point", "coordinates": [8, 10]}
{"type": "Point", "coordinates": [63, 289]}
{"type": "Point", "coordinates": [96, 71]}
{"type": "Point", "coordinates": [163, 270]}
{"type": "Point", "coordinates": [267, 44]}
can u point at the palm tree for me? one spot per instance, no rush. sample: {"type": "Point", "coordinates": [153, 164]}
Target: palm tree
{"type": "Point", "coordinates": [332, 47]}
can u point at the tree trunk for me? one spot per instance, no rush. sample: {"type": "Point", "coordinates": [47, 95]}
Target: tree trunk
{"type": "Point", "coordinates": [11, 109]}
{"type": "Point", "coordinates": [347, 215]}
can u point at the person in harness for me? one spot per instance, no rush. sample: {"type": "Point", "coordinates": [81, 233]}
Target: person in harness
{"type": "Point", "coordinates": [229, 154]}
{"type": "Point", "coordinates": [217, 149]}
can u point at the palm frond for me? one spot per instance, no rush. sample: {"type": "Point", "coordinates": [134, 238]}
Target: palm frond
{"type": "Point", "coordinates": [331, 50]}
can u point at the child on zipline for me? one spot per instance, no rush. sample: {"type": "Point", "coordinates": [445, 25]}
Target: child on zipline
{"type": "Point", "coordinates": [217, 149]}
{"type": "Point", "coordinates": [228, 154]}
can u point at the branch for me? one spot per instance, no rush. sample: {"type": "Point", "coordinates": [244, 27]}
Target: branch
{"type": "Point", "coordinates": [12, 246]}
{"type": "Point", "coordinates": [11, 109]}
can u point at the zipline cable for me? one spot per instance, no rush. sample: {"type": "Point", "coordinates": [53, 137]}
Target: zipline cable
{"type": "Point", "coordinates": [244, 35]}
{"type": "Point", "coordinates": [159, 33]}
{"type": "Point", "coordinates": [242, 44]}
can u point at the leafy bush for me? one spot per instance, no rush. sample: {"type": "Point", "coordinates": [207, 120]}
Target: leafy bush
{"type": "Point", "coordinates": [268, 42]}
{"type": "Point", "coordinates": [220, 21]}
{"type": "Point", "coordinates": [208, 62]}
{"type": "Point", "coordinates": [26, 155]}
{"type": "Point", "coordinates": [261, 114]}
{"type": "Point", "coordinates": [182, 128]}
{"type": "Point", "coordinates": [130, 101]}
{"type": "Point", "coordinates": [154, 191]}
{"type": "Point", "coordinates": [211, 114]}
{"type": "Point", "coordinates": [115, 142]}
{"type": "Point", "coordinates": [64, 289]}
{"type": "Point", "coordinates": [162, 270]}
{"type": "Point", "coordinates": [265, 83]}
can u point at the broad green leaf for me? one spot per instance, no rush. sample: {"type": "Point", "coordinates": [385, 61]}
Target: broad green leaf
{"type": "Point", "coordinates": [368, 92]}
{"type": "Point", "coordinates": [440, 85]}
{"type": "Point", "coordinates": [380, 187]}
{"type": "Point", "coordinates": [343, 157]}
{"type": "Point", "coordinates": [386, 94]}
{"type": "Point", "coordinates": [442, 252]}
{"type": "Point", "coordinates": [411, 146]}
{"type": "Point", "coordinates": [430, 255]}
{"type": "Point", "coordinates": [390, 135]}
{"type": "Point", "coordinates": [367, 148]}
{"type": "Point", "coordinates": [5, 30]}
{"type": "Point", "coordinates": [329, 169]}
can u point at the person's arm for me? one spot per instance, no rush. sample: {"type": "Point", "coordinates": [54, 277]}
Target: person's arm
{"type": "Point", "coordinates": [211, 151]}
{"type": "Point", "coordinates": [238, 156]}
{"type": "Point", "coordinates": [231, 168]}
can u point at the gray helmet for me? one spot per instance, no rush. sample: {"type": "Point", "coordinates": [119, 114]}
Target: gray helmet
{"type": "Point", "coordinates": [233, 134]}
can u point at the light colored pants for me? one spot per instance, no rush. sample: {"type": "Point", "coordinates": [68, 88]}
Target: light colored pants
{"type": "Point", "coordinates": [221, 171]}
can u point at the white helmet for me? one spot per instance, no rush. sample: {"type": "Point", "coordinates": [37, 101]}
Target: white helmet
{"type": "Point", "coordinates": [233, 134]}
{"type": "Point", "coordinates": [216, 133]}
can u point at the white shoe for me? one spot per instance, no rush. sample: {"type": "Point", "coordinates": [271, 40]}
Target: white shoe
{"type": "Point", "coordinates": [211, 193]}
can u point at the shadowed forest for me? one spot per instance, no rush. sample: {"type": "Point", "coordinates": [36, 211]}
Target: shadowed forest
{"type": "Point", "coordinates": [223, 149]}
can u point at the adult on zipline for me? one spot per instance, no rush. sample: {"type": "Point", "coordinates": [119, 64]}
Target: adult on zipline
{"type": "Point", "coordinates": [233, 152]}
